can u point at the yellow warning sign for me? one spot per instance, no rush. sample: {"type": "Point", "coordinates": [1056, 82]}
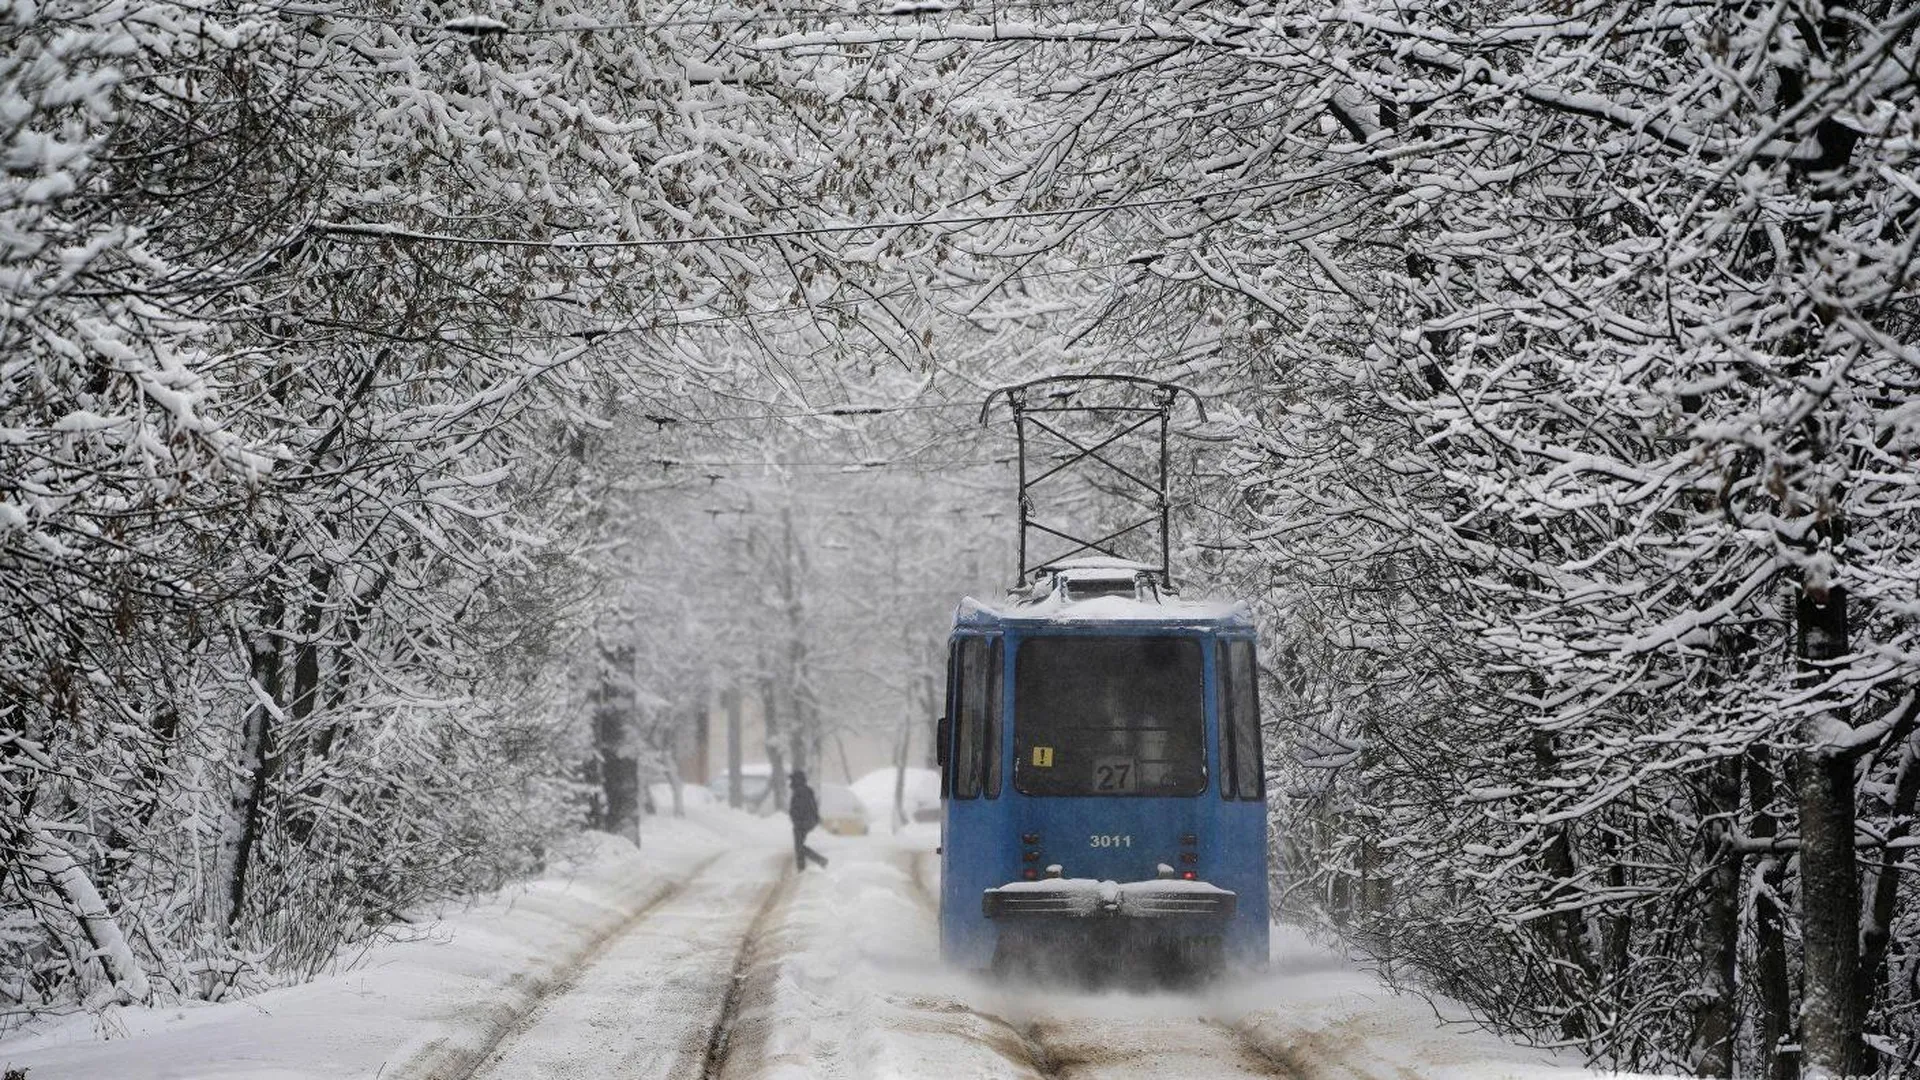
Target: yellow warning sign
{"type": "Point", "coordinates": [1043, 757]}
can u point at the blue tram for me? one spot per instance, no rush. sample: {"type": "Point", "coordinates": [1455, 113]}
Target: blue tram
{"type": "Point", "coordinates": [1104, 812]}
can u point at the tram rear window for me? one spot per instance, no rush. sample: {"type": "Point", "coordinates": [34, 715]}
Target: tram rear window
{"type": "Point", "coordinates": [1109, 716]}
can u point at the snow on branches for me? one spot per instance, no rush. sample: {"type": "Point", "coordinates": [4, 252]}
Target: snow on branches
{"type": "Point", "coordinates": [290, 514]}
{"type": "Point", "coordinates": [1574, 348]}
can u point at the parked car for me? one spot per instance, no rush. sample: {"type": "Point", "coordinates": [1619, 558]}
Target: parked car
{"type": "Point", "coordinates": [840, 811]}
{"type": "Point", "coordinates": [920, 789]}
{"type": "Point", "coordinates": [756, 788]}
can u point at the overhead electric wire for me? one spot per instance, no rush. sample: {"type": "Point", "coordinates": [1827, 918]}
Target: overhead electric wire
{"type": "Point", "coordinates": [686, 317]}
{"type": "Point", "coordinates": [745, 18]}
{"type": "Point", "coordinates": [377, 231]}
{"type": "Point", "coordinates": [832, 410]}
{"type": "Point", "coordinates": [849, 464]}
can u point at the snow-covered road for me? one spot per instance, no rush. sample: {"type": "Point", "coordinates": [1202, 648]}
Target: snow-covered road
{"type": "Point", "coordinates": [706, 957]}
{"type": "Point", "coordinates": [841, 987]}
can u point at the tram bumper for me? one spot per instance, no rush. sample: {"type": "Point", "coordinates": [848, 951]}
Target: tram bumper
{"type": "Point", "coordinates": [1085, 898]}
{"type": "Point", "coordinates": [1160, 932]}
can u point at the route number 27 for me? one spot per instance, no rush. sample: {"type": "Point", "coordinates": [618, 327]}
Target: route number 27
{"type": "Point", "coordinates": [1116, 775]}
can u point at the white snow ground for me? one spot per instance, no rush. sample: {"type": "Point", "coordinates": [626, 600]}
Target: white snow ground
{"type": "Point", "coordinates": [418, 1008]}
{"type": "Point", "coordinates": [624, 968]}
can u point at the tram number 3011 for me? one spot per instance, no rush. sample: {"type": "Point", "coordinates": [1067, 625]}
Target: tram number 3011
{"type": "Point", "coordinates": [1109, 840]}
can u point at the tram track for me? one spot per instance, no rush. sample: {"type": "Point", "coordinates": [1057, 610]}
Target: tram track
{"type": "Point", "coordinates": [1279, 1065]}
{"type": "Point", "coordinates": [454, 1060]}
{"type": "Point", "coordinates": [1134, 1039]}
{"type": "Point", "coordinates": [720, 1044]}
{"type": "Point", "coordinates": [652, 998]}
{"type": "Point", "coordinates": [701, 983]}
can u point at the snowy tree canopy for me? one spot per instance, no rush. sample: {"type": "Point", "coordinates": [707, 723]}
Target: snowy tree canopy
{"type": "Point", "coordinates": [366, 372]}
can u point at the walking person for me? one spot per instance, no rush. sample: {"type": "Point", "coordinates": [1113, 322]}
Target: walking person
{"type": "Point", "coordinates": [804, 810]}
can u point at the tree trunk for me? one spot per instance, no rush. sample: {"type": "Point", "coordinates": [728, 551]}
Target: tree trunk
{"type": "Point", "coordinates": [255, 760]}
{"type": "Point", "coordinates": [1885, 892]}
{"type": "Point", "coordinates": [1563, 930]}
{"type": "Point", "coordinates": [1774, 987]}
{"type": "Point", "coordinates": [1715, 1018]}
{"type": "Point", "coordinates": [304, 695]}
{"type": "Point", "coordinates": [935, 706]}
{"type": "Point", "coordinates": [702, 737]}
{"type": "Point", "coordinates": [51, 860]}
{"type": "Point", "coordinates": [619, 767]}
{"type": "Point", "coordinates": [620, 782]}
{"type": "Point", "coordinates": [900, 760]}
{"type": "Point", "coordinates": [306, 651]}
{"type": "Point", "coordinates": [1831, 1013]}
{"type": "Point", "coordinates": [731, 699]}
{"type": "Point", "coordinates": [670, 764]}
{"type": "Point", "coordinates": [777, 773]}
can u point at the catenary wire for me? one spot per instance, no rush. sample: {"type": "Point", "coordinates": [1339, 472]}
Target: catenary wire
{"type": "Point", "coordinates": [378, 231]}
{"type": "Point", "coordinates": [906, 10]}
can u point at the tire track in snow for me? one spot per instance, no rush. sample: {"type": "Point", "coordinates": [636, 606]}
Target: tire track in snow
{"type": "Point", "coordinates": [646, 1002]}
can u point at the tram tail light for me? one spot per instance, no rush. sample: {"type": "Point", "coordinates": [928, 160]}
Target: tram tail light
{"type": "Point", "coordinates": [1029, 873]}
{"type": "Point", "coordinates": [1189, 875]}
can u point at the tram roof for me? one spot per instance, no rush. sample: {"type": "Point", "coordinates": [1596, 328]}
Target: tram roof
{"type": "Point", "coordinates": [1096, 610]}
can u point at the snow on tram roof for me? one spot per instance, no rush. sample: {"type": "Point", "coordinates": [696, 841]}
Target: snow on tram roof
{"type": "Point", "coordinates": [1099, 566]}
{"type": "Point", "coordinates": [1053, 608]}
{"type": "Point", "coordinates": [1099, 590]}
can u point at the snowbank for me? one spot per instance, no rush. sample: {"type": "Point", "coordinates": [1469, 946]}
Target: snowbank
{"type": "Point", "coordinates": [409, 1009]}
{"type": "Point", "coordinates": [1326, 1019]}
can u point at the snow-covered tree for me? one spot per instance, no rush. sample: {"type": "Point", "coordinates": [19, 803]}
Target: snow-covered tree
{"type": "Point", "coordinates": [1575, 351]}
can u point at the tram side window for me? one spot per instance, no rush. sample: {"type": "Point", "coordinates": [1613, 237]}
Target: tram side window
{"type": "Point", "coordinates": [1243, 767]}
{"type": "Point", "coordinates": [976, 719]}
{"type": "Point", "coordinates": [943, 734]}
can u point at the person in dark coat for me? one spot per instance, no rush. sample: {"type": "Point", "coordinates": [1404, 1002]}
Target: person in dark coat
{"type": "Point", "coordinates": [804, 810]}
